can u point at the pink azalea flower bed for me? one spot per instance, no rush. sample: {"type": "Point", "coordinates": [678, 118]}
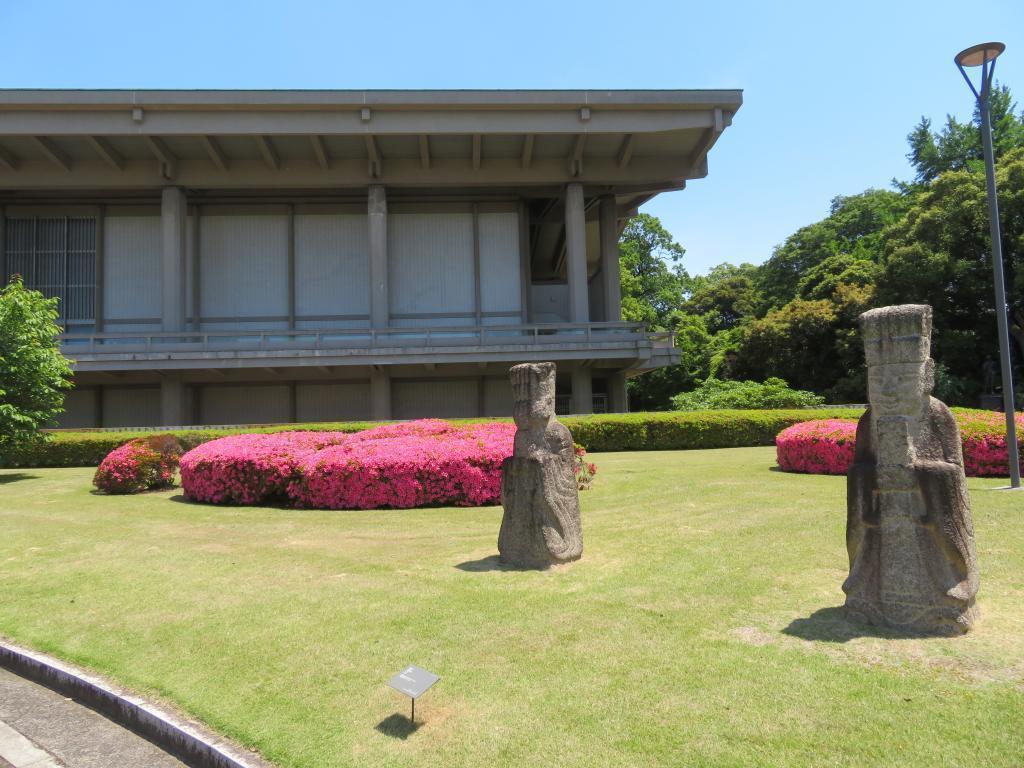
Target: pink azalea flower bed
{"type": "Point", "coordinates": [826, 446]}
{"type": "Point", "coordinates": [820, 447]}
{"type": "Point", "coordinates": [137, 466]}
{"type": "Point", "coordinates": [420, 463]}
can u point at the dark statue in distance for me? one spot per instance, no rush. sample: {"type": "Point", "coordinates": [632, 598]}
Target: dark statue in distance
{"type": "Point", "coordinates": [541, 523]}
{"type": "Point", "coordinates": [909, 532]}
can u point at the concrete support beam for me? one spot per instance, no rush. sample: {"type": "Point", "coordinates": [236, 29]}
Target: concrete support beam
{"type": "Point", "coordinates": [172, 402]}
{"type": "Point", "coordinates": [576, 254]}
{"type": "Point", "coordinates": [610, 258]}
{"type": "Point", "coordinates": [377, 210]}
{"type": "Point", "coordinates": [618, 400]}
{"type": "Point", "coordinates": [174, 215]}
{"type": "Point", "coordinates": [582, 390]}
{"type": "Point", "coordinates": [380, 395]}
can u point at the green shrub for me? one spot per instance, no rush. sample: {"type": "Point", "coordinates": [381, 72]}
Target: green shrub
{"type": "Point", "coordinates": [88, 448]}
{"type": "Point", "coordinates": [673, 431]}
{"type": "Point", "coordinates": [721, 395]}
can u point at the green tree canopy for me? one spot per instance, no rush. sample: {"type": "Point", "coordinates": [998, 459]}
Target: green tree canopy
{"type": "Point", "coordinates": [653, 279]}
{"type": "Point", "coordinates": [33, 373]}
{"type": "Point", "coordinates": [957, 147]}
{"type": "Point", "coordinates": [851, 231]}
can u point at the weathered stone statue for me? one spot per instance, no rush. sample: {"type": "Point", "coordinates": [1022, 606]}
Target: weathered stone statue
{"type": "Point", "coordinates": [909, 532]}
{"type": "Point", "coordinates": [541, 524]}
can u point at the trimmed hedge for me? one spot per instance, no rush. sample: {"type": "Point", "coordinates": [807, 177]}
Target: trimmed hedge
{"type": "Point", "coordinates": [686, 430]}
{"type": "Point", "coordinates": [88, 448]}
{"type": "Point", "coordinates": [676, 430]}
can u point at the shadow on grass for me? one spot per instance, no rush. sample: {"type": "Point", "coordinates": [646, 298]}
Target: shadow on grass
{"type": "Point", "coordinates": [489, 563]}
{"type": "Point", "coordinates": [397, 726]}
{"type": "Point", "coordinates": [14, 477]}
{"type": "Point", "coordinates": [830, 625]}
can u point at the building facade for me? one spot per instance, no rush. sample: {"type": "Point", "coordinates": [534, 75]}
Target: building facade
{"type": "Point", "coordinates": [236, 257]}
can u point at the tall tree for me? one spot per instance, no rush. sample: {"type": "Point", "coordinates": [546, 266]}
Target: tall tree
{"type": "Point", "coordinates": [653, 279]}
{"type": "Point", "coordinates": [852, 230]}
{"type": "Point", "coordinates": [938, 254]}
{"type": "Point", "coordinates": [33, 373]}
{"type": "Point", "coordinates": [957, 147]}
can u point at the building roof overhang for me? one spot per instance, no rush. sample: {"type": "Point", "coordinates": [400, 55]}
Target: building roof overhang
{"type": "Point", "coordinates": [99, 140]}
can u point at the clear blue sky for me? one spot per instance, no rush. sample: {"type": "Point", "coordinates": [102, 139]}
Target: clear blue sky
{"type": "Point", "coordinates": [830, 89]}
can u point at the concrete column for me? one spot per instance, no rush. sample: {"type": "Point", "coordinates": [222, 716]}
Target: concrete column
{"type": "Point", "coordinates": [525, 271]}
{"type": "Point", "coordinates": [173, 212]}
{"type": "Point", "coordinates": [197, 214]}
{"type": "Point", "coordinates": [610, 259]}
{"type": "Point", "coordinates": [582, 391]}
{"type": "Point", "coordinates": [172, 402]}
{"type": "Point", "coordinates": [618, 401]}
{"type": "Point", "coordinates": [99, 278]}
{"type": "Point", "coordinates": [377, 215]}
{"type": "Point", "coordinates": [380, 395]}
{"type": "Point", "coordinates": [576, 254]}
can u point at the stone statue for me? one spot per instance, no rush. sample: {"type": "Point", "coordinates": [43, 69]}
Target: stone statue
{"type": "Point", "coordinates": [541, 524]}
{"type": "Point", "coordinates": [909, 532]}
{"type": "Point", "coordinates": [988, 372]}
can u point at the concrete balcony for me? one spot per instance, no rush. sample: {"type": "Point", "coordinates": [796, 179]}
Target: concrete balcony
{"type": "Point", "coordinates": [628, 344]}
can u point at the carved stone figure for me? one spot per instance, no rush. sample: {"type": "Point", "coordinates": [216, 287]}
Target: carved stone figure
{"type": "Point", "coordinates": [989, 369]}
{"type": "Point", "coordinates": [909, 531]}
{"type": "Point", "coordinates": [541, 524]}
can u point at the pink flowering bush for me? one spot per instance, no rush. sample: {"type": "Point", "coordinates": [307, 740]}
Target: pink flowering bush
{"type": "Point", "coordinates": [984, 438]}
{"type": "Point", "coordinates": [249, 469]}
{"type": "Point", "coordinates": [416, 464]}
{"type": "Point", "coordinates": [826, 447]}
{"type": "Point", "coordinates": [397, 466]}
{"type": "Point", "coordinates": [820, 447]}
{"type": "Point", "coordinates": [138, 465]}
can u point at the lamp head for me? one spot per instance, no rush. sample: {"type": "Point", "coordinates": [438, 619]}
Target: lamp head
{"type": "Point", "coordinates": [979, 54]}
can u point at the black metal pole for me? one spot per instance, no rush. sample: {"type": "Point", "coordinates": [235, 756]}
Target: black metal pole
{"type": "Point", "coordinates": [413, 718]}
{"type": "Point", "coordinates": [1009, 406]}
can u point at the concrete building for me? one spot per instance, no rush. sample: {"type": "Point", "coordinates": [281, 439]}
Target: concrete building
{"type": "Point", "coordinates": [228, 257]}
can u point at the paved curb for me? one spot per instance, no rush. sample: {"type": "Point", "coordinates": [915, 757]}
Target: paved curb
{"type": "Point", "coordinates": [189, 741]}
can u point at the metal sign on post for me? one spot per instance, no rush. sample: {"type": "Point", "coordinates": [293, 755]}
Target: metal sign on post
{"type": "Point", "coordinates": [413, 681]}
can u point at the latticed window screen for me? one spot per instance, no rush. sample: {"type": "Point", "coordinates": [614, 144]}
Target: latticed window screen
{"type": "Point", "coordinates": [57, 257]}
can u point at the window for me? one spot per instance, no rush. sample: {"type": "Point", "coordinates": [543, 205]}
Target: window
{"type": "Point", "coordinates": [57, 257]}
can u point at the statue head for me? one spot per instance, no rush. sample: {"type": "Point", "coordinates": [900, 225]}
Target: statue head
{"type": "Point", "coordinates": [533, 394]}
{"type": "Point", "coordinates": [897, 342]}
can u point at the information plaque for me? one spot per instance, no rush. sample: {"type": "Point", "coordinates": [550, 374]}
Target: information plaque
{"type": "Point", "coordinates": [413, 681]}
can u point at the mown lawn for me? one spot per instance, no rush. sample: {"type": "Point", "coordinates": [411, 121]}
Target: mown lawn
{"type": "Point", "coordinates": [701, 628]}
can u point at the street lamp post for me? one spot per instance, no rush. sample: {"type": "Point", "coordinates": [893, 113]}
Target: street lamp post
{"type": "Point", "coordinates": [984, 56]}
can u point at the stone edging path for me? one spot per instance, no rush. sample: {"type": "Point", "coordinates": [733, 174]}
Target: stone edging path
{"type": "Point", "coordinates": [187, 740]}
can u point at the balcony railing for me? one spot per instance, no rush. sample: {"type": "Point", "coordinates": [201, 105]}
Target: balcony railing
{"type": "Point", "coordinates": [538, 335]}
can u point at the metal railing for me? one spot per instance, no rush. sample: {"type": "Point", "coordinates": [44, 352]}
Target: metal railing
{"type": "Point", "coordinates": [536, 334]}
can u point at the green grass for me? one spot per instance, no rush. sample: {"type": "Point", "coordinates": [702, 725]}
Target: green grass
{"type": "Point", "coordinates": [701, 628]}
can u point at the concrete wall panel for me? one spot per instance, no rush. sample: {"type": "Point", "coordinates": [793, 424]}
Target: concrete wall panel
{"type": "Point", "coordinates": [431, 263]}
{"type": "Point", "coordinates": [131, 407]}
{"type": "Point", "coordinates": [79, 409]}
{"type": "Point", "coordinates": [497, 397]}
{"type": "Point", "coordinates": [131, 268]}
{"type": "Point", "coordinates": [434, 399]}
{"type": "Point", "coordinates": [337, 401]}
{"type": "Point", "coordinates": [244, 404]}
{"type": "Point", "coordinates": [499, 263]}
{"type": "Point", "coordinates": [244, 265]}
{"type": "Point", "coordinates": [332, 269]}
